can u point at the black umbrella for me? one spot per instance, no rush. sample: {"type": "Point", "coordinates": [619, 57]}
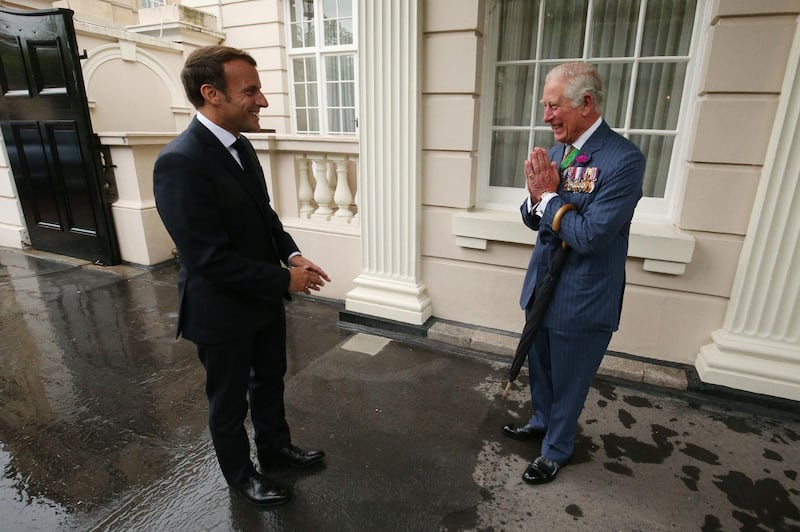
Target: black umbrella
{"type": "Point", "coordinates": [542, 296]}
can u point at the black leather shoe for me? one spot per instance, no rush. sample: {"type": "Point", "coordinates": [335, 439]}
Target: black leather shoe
{"type": "Point", "coordinates": [291, 456]}
{"type": "Point", "coordinates": [523, 433]}
{"type": "Point", "coordinates": [256, 490]}
{"type": "Point", "coordinates": [541, 471]}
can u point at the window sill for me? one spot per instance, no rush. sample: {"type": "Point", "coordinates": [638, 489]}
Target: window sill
{"type": "Point", "coordinates": [664, 248]}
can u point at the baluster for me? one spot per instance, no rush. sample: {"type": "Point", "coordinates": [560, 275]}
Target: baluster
{"type": "Point", "coordinates": [322, 190]}
{"type": "Point", "coordinates": [304, 192]}
{"type": "Point", "coordinates": [342, 195]}
{"type": "Point", "coordinates": [357, 200]}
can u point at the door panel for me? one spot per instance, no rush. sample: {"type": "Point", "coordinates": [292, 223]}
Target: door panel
{"type": "Point", "coordinates": [53, 152]}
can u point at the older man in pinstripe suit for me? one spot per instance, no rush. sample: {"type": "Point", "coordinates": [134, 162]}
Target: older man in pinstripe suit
{"type": "Point", "coordinates": [600, 173]}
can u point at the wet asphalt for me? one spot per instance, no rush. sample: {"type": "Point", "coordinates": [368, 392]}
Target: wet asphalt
{"type": "Point", "coordinates": [103, 427]}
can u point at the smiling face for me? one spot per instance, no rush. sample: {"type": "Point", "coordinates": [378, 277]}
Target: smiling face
{"type": "Point", "coordinates": [567, 121]}
{"type": "Point", "coordinates": [237, 108]}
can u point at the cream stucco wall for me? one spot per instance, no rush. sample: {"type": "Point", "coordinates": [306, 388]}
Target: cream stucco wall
{"type": "Point", "coordinates": [665, 316]}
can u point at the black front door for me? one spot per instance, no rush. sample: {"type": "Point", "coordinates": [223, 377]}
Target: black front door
{"type": "Point", "coordinates": [53, 152]}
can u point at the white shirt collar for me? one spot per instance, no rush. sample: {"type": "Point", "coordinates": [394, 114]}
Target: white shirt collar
{"type": "Point", "coordinates": [586, 134]}
{"type": "Point", "coordinates": [225, 137]}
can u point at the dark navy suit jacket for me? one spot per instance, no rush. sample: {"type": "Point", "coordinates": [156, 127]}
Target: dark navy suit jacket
{"type": "Point", "coordinates": [588, 295]}
{"type": "Point", "coordinates": [230, 242]}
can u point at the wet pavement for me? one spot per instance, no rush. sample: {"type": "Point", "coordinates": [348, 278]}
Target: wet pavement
{"type": "Point", "coordinates": [103, 427]}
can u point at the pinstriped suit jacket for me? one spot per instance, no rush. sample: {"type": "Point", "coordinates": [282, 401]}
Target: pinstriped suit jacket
{"type": "Point", "coordinates": [589, 293]}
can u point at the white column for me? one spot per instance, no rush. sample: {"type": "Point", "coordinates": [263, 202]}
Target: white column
{"type": "Point", "coordinates": [758, 348]}
{"type": "Point", "coordinates": [389, 285]}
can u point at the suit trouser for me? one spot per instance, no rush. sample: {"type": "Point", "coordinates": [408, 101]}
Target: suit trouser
{"type": "Point", "coordinates": [251, 366]}
{"type": "Point", "coordinates": [562, 366]}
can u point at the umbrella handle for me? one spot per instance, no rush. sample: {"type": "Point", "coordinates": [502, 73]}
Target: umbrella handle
{"type": "Point", "coordinates": [508, 387]}
{"type": "Point", "coordinates": [556, 225]}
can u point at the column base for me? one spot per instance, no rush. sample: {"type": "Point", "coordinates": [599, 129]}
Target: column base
{"type": "Point", "coordinates": [745, 363]}
{"type": "Point", "coordinates": [393, 300]}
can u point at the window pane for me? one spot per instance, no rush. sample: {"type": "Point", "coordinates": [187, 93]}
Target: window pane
{"type": "Point", "coordinates": [657, 152]}
{"type": "Point", "coordinates": [564, 27]}
{"type": "Point", "coordinates": [346, 31]}
{"type": "Point", "coordinates": [614, 28]}
{"type": "Point", "coordinates": [313, 96]}
{"type": "Point", "coordinates": [334, 95]}
{"type": "Point", "coordinates": [329, 9]}
{"type": "Point", "coordinates": [347, 69]}
{"type": "Point", "coordinates": [298, 67]}
{"type": "Point", "coordinates": [297, 36]}
{"type": "Point", "coordinates": [348, 91]}
{"type": "Point", "coordinates": [657, 101]}
{"type": "Point", "coordinates": [308, 33]}
{"type": "Point", "coordinates": [300, 95]}
{"type": "Point", "coordinates": [518, 41]}
{"type": "Point", "coordinates": [513, 96]}
{"type": "Point", "coordinates": [311, 69]}
{"type": "Point", "coordinates": [331, 32]}
{"type": "Point", "coordinates": [345, 8]}
{"type": "Point", "coordinates": [313, 121]}
{"type": "Point", "coordinates": [349, 121]}
{"type": "Point", "coordinates": [296, 11]}
{"type": "Point", "coordinates": [334, 121]}
{"type": "Point", "coordinates": [616, 82]}
{"type": "Point", "coordinates": [302, 120]}
{"type": "Point", "coordinates": [668, 27]}
{"type": "Point", "coordinates": [509, 150]}
{"type": "Point", "coordinates": [332, 68]}
{"type": "Point", "coordinates": [541, 138]}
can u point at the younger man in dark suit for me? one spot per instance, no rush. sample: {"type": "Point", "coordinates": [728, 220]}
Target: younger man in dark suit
{"type": "Point", "coordinates": [600, 173]}
{"type": "Point", "coordinates": [211, 195]}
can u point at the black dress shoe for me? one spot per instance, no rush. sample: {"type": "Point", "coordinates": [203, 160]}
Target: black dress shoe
{"type": "Point", "coordinates": [257, 490]}
{"type": "Point", "coordinates": [523, 433]}
{"type": "Point", "coordinates": [291, 456]}
{"type": "Point", "coordinates": [541, 471]}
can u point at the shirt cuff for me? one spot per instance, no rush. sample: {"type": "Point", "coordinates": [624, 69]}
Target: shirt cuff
{"type": "Point", "coordinates": [542, 205]}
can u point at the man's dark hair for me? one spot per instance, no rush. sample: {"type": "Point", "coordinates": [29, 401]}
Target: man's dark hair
{"type": "Point", "coordinates": [206, 66]}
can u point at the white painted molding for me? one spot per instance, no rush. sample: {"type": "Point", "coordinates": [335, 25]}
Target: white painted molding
{"type": "Point", "coordinates": [664, 248]}
{"type": "Point", "coordinates": [744, 362]}
{"type": "Point", "coordinates": [128, 51]}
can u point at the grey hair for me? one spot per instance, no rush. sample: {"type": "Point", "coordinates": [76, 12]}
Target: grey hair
{"type": "Point", "coordinates": [580, 78]}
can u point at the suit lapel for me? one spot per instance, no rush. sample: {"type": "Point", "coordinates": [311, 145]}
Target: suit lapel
{"type": "Point", "coordinates": [595, 142]}
{"type": "Point", "coordinates": [220, 155]}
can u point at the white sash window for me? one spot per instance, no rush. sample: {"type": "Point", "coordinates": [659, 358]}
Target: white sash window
{"type": "Point", "coordinates": [322, 66]}
{"type": "Point", "coordinates": [643, 50]}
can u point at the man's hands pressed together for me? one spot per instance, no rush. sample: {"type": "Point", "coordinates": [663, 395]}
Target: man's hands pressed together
{"type": "Point", "coordinates": [541, 175]}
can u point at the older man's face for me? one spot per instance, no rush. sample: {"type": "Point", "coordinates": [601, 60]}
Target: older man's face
{"type": "Point", "coordinates": [566, 121]}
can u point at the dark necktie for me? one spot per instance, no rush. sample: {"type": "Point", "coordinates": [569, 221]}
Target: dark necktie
{"type": "Point", "coordinates": [248, 165]}
{"type": "Point", "coordinates": [253, 178]}
{"type": "Point", "coordinates": [244, 155]}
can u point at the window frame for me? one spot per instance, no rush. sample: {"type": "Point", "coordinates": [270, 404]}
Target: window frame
{"type": "Point", "coordinates": [319, 53]}
{"type": "Point", "coordinates": [649, 210]}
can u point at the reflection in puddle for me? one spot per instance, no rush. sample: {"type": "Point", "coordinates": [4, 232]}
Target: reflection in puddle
{"type": "Point", "coordinates": [24, 511]}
